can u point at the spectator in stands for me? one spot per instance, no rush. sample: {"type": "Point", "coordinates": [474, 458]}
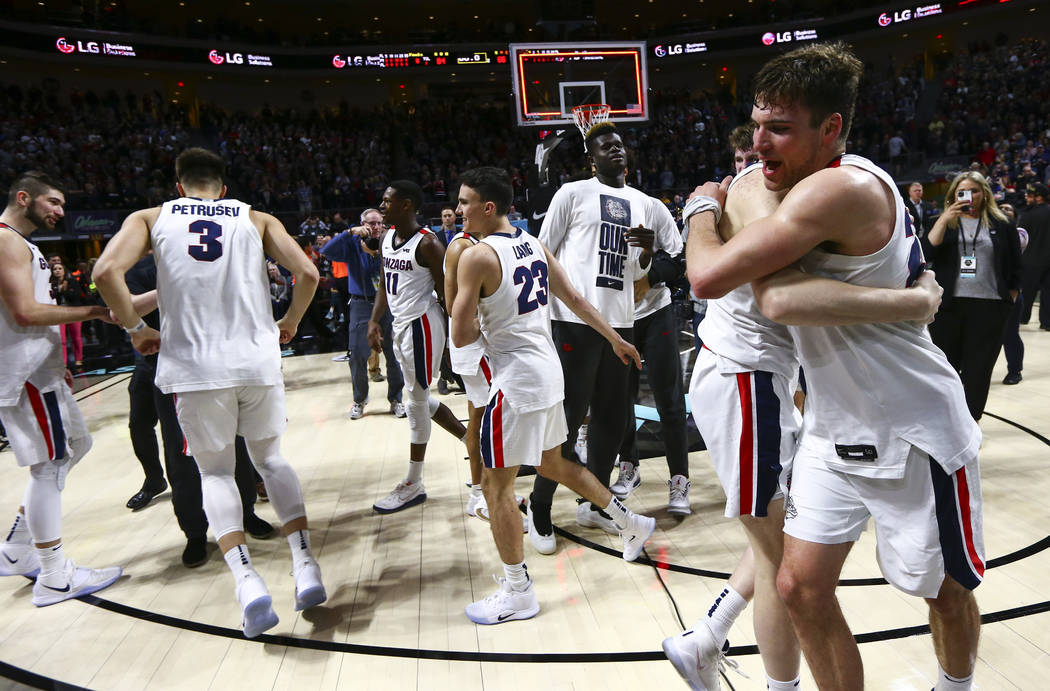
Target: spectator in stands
{"type": "Point", "coordinates": [69, 290]}
{"type": "Point", "coordinates": [920, 211]}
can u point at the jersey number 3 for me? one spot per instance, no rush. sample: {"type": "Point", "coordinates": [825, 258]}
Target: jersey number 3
{"type": "Point", "coordinates": [208, 248]}
{"type": "Point", "coordinates": [524, 276]}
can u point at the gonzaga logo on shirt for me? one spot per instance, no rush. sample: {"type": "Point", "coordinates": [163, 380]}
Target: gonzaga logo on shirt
{"type": "Point", "coordinates": [612, 247]}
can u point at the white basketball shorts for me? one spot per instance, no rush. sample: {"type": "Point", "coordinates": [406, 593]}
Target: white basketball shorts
{"type": "Point", "coordinates": [927, 523]}
{"type": "Point", "coordinates": [211, 419]}
{"type": "Point", "coordinates": [418, 347]}
{"type": "Point", "coordinates": [750, 427]}
{"type": "Point", "coordinates": [43, 420]}
{"type": "Point", "coordinates": [510, 438]}
{"type": "Point", "coordinates": [477, 384]}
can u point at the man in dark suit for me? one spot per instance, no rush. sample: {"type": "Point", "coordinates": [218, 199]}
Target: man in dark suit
{"type": "Point", "coordinates": [448, 225]}
{"type": "Point", "coordinates": [1036, 261]}
{"type": "Point", "coordinates": [920, 211]}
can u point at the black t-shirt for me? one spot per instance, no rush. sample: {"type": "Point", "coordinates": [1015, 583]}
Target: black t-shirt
{"type": "Point", "coordinates": [1036, 220]}
{"type": "Point", "coordinates": [142, 278]}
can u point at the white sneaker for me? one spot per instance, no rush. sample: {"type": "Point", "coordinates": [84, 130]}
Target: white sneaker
{"type": "Point", "coordinates": [309, 590]}
{"type": "Point", "coordinates": [629, 479]}
{"type": "Point", "coordinates": [697, 657]}
{"type": "Point", "coordinates": [483, 513]}
{"type": "Point", "coordinates": [581, 444]}
{"type": "Point", "coordinates": [256, 606]}
{"type": "Point", "coordinates": [504, 605]}
{"type": "Point", "coordinates": [397, 408]}
{"type": "Point", "coordinates": [79, 580]}
{"type": "Point", "coordinates": [403, 496]}
{"type": "Point", "coordinates": [357, 411]}
{"type": "Point", "coordinates": [18, 559]}
{"type": "Point", "coordinates": [477, 507]}
{"type": "Point", "coordinates": [341, 358]}
{"type": "Point", "coordinates": [590, 517]}
{"type": "Point", "coordinates": [637, 532]}
{"type": "Point", "coordinates": [678, 496]}
{"type": "Point", "coordinates": [544, 544]}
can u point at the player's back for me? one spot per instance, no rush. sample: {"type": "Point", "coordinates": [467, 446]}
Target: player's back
{"type": "Point", "coordinates": [25, 349]}
{"type": "Point", "coordinates": [875, 390]}
{"type": "Point", "coordinates": [515, 321]}
{"type": "Point", "coordinates": [217, 327]}
{"type": "Point", "coordinates": [734, 328]}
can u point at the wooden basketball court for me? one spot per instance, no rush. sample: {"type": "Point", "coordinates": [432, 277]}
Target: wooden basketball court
{"type": "Point", "coordinates": [398, 584]}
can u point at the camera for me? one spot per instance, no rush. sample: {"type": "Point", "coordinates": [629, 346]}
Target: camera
{"type": "Point", "coordinates": [965, 196]}
{"type": "Point", "coordinates": [372, 243]}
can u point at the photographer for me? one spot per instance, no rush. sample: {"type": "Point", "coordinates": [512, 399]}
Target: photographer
{"type": "Point", "coordinates": [975, 252]}
{"type": "Point", "coordinates": [359, 248]}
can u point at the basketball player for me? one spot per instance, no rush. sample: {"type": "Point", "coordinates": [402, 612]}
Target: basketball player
{"type": "Point", "coordinates": [864, 450]}
{"type": "Point", "coordinates": [46, 430]}
{"type": "Point", "coordinates": [503, 300]}
{"type": "Point", "coordinates": [412, 286]}
{"type": "Point", "coordinates": [476, 371]}
{"type": "Point", "coordinates": [740, 141]}
{"type": "Point", "coordinates": [588, 227]}
{"type": "Point", "coordinates": [219, 352]}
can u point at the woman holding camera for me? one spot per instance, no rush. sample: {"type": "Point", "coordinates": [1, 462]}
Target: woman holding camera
{"type": "Point", "coordinates": [975, 252]}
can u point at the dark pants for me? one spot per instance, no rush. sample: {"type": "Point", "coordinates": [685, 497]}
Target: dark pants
{"type": "Point", "coordinates": [340, 302]}
{"type": "Point", "coordinates": [360, 313]}
{"type": "Point", "coordinates": [150, 405]}
{"type": "Point", "coordinates": [970, 332]}
{"type": "Point", "coordinates": [594, 378]}
{"type": "Point", "coordinates": [1013, 346]}
{"type": "Point", "coordinates": [1036, 279]}
{"type": "Point", "coordinates": [656, 337]}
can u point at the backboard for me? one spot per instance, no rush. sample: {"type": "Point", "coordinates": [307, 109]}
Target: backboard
{"type": "Point", "coordinates": [550, 78]}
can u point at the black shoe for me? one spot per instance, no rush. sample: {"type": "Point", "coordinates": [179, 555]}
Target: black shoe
{"type": "Point", "coordinates": [541, 517]}
{"type": "Point", "coordinates": [1012, 378]}
{"type": "Point", "coordinates": [258, 528]}
{"type": "Point", "coordinates": [524, 470]}
{"type": "Point", "coordinates": [442, 387]}
{"type": "Point", "coordinates": [145, 495]}
{"type": "Point", "coordinates": [196, 552]}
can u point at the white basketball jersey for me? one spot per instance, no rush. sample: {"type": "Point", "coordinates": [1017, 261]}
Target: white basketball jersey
{"type": "Point", "coordinates": [745, 341]}
{"type": "Point", "coordinates": [516, 325]}
{"type": "Point", "coordinates": [465, 360]}
{"type": "Point", "coordinates": [26, 349]}
{"type": "Point", "coordinates": [668, 239]}
{"type": "Point", "coordinates": [876, 390]}
{"type": "Point", "coordinates": [409, 286]}
{"type": "Point", "coordinates": [584, 229]}
{"type": "Point", "coordinates": [216, 321]}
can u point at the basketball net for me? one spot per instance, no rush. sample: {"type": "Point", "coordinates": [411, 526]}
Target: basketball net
{"type": "Point", "coordinates": [589, 115]}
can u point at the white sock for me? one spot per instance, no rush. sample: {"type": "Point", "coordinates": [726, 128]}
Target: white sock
{"type": "Point", "coordinates": [239, 561]}
{"type": "Point", "coordinates": [19, 533]}
{"type": "Point", "coordinates": [726, 608]}
{"type": "Point", "coordinates": [517, 576]}
{"type": "Point", "coordinates": [464, 437]}
{"type": "Point", "coordinates": [618, 512]}
{"type": "Point", "coordinates": [946, 682]}
{"type": "Point", "coordinates": [774, 685]}
{"type": "Point", "coordinates": [299, 541]}
{"type": "Point", "coordinates": [475, 490]}
{"type": "Point", "coordinates": [52, 565]}
{"type": "Point", "coordinates": [415, 472]}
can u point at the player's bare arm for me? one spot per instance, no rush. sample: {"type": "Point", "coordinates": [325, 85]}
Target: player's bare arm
{"type": "Point", "coordinates": [278, 244]}
{"type": "Point", "coordinates": [792, 297]}
{"type": "Point", "coordinates": [452, 256]}
{"type": "Point", "coordinates": [560, 285]}
{"type": "Point", "coordinates": [479, 274]}
{"type": "Point", "coordinates": [644, 238]}
{"type": "Point", "coordinates": [129, 245]}
{"type": "Point", "coordinates": [845, 209]}
{"type": "Point", "coordinates": [797, 299]}
{"type": "Point", "coordinates": [16, 290]}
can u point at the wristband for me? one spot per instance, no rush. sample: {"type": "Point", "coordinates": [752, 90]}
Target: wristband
{"type": "Point", "coordinates": [701, 204]}
{"type": "Point", "coordinates": [138, 327]}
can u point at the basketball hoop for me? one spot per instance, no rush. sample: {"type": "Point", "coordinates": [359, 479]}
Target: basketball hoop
{"type": "Point", "coordinates": [589, 115]}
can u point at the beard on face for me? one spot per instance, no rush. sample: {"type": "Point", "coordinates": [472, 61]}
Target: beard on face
{"type": "Point", "coordinates": [36, 216]}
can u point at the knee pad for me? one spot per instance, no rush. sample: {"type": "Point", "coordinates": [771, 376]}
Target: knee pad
{"type": "Point", "coordinates": [418, 421]}
{"type": "Point", "coordinates": [43, 503]}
